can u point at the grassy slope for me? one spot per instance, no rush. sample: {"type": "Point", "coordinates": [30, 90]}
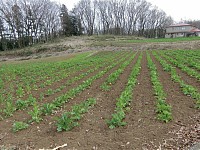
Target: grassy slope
{"type": "Point", "coordinates": [75, 43]}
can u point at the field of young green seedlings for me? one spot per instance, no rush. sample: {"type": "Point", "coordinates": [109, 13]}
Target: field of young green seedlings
{"type": "Point", "coordinates": [99, 100]}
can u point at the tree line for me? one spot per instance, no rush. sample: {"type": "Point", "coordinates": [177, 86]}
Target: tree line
{"type": "Point", "coordinates": [122, 17]}
{"type": "Point", "coordinates": [26, 22]}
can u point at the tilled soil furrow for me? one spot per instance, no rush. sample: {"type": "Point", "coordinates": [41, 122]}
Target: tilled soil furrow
{"type": "Point", "coordinates": [142, 131]}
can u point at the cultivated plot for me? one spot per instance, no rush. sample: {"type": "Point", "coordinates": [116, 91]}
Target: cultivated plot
{"type": "Point", "coordinates": [104, 100]}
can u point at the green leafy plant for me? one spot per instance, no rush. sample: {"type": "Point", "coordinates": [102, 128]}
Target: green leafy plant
{"type": "Point", "coordinates": [41, 96]}
{"type": "Point", "coordinates": [163, 110]}
{"type": "Point", "coordinates": [21, 104]}
{"type": "Point", "coordinates": [165, 116]}
{"type": "Point", "coordinates": [186, 89]}
{"type": "Point", "coordinates": [124, 100]}
{"type": "Point", "coordinates": [42, 85]}
{"type": "Point", "coordinates": [49, 92]}
{"type": "Point", "coordinates": [105, 87]}
{"type": "Point", "coordinates": [28, 88]}
{"type": "Point", "coordinates": [112, 78]}
{"type": "Point", "coordinates": [17, 126]}
{"type": "Point", "coordinates": [10, 108]}
{"type": "Point", "coordinates": [20, 91]}
{"type": "Point", "coordinates": [35, 113]}
{"type": "Point", "coordinates": [65, 122]}
{"type": "Point", "coordinates": [47, 109]}
{"type": "Point", "coordinates": [31, 100]}
{"type": "Point", "coordinates": [68, 120]}
{"type": "Point", "coordinates": [198, 104]}
{"type": "Point", "coordinates": [116, 120]}
{"type": "Point", "coordinates": [76, 112]}
{"type": "Point", "coordinates": [2, 98]}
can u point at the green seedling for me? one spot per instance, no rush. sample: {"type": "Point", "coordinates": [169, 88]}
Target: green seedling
{"type": "Point", "coordinates": [17, 126]}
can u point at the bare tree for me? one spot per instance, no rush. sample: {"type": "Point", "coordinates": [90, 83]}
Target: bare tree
{"type": "Point", "coordinates": [86, 10]}
{"type": "Point", "coordinates": [30, 21]}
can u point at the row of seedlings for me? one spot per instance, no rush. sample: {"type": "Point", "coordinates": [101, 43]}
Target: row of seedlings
{"type": "Point", "coordinates": [179, 64]}
{"type": "Point", "coordinates": [189, 61]}
{"type": "Point", "coordinates": [125, 98]}
{"type": "Point", "coordinates": [187, 89]}
{"type": "Point", "coordinates": [163, 109]}
{"type": "Point", "coordinates": [20, 104]}
{"type": "Point", "coordinates": [67, 121]}
{"type": "Point", "coordinates": [48, 108]}
{"type": "Point", "coordinates": [112, 78]}
{"type": "Point", "coordinates": [30, 75]}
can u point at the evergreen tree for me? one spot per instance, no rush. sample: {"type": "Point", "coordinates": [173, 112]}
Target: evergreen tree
{"type": "Point", "coordinates": [2, 39]}
{"type": "Point", "coordinates": [65, 21]}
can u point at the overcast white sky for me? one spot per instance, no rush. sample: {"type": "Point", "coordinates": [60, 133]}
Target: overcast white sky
{"type": "Point", "coordinates": [178, 9]}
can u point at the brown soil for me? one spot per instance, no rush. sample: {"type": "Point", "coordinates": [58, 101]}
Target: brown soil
{"type": "Point", "coordinates": [142, 131]}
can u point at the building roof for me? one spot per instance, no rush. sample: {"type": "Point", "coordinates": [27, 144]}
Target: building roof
{"type": "Point", "coordinates": [180, 25]}
{"type": "Point", "coordinates": [195, 30]}
{"type": "Point", "coordinates": [191, 31]}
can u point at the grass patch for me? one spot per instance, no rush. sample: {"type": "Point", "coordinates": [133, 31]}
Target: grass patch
{"type": "Point", "coordinates": [127, 40]}
{"type": "Point", "coordinates": [161, 40]}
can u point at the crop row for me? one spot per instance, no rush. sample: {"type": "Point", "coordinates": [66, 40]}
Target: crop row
{"type": "Point", "coordinates": [48, 108]}
{"type": "Point", "coordinates": [162, 108]}
{"type": "Point", "coordinates": [66, 121]}
{"type": "Point", "coordinates": [112, 78]}
{"type": "Point", "coordinates": [125, 98]}
{"type": "Point", "coordinates": [25, 85]}
{"type": "Point", "coordinates": [195, 54]}
{"type": "Point", "coordinates": [20, 90]}
{"type": "Point", "coordinates": [23, 104]}
{"type": "Point", "coordinates": [188, 90]}
{"type": "Point", "coordinates": [179, 64]}
{"type": "Point", "coordinates": [69, 120]}
{"type": "Point", "coordinates": [189, 61]}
